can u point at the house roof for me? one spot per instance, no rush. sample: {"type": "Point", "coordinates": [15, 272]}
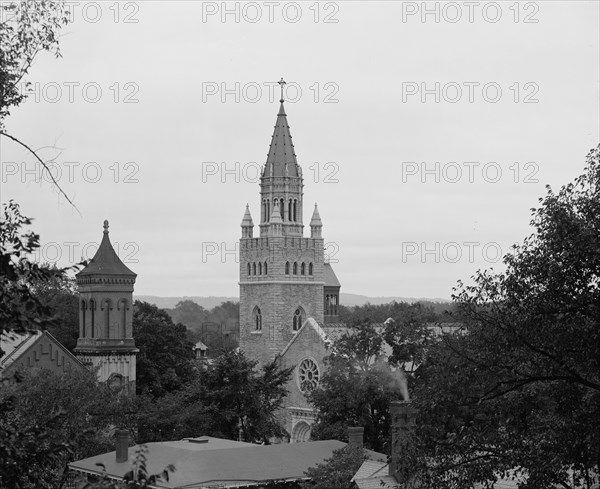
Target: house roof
{"type": "Point", "coordinates": [16, 345]}
{"type": "Point", "coordinates": [231, 467]}
{"type": "Point", "coordinates": [330, 278]}
{"type": "Point", "coordinates": [200, 346]}
{"type": "Point", "coordinates": [106, 261]}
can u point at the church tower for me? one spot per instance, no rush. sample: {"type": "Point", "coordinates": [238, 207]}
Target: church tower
{"type": "Point", "coordinates": [281, 272]}
{"type": "Point", "coordinates": [106, 315]}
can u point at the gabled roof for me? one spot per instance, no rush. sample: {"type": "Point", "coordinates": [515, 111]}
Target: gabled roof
{"type": "Point", "coordinates": [327, 334]}
{"type": "Point", "coordinates": [200, 346]}
{"type": "Point", "coordinates": [16, 345]}
{"type": "Point", "coordinates": [106, 261]}
{"type": "Point", "coordinates": [281, 160]}
{"type": "Point", "coordinates": [229, 467]}
{"type": "Point", "coordinates": [330, 279]}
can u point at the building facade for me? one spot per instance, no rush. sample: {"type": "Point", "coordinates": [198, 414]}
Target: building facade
{"type": "Point", "coordinates": [106, 317]}
{"type": "Point", "coordinates": [288, 293]}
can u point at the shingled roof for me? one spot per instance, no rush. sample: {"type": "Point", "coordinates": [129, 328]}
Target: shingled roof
{"type": "Point", "coordinates": [281, 160]}
{"type": "Point", "coordinates": [106, 261]}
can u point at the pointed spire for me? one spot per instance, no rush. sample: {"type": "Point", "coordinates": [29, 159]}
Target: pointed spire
{"type": "Point", "coordinates": [315, 224]}
{"type": "Point", "coordinates": [247, 220]}
{"type": "Point", "coordinates": [106, 261]}
{"type": "Point", "coordinates": [316, 218]}
{"type": "Point", "coordinates": [281, 159]}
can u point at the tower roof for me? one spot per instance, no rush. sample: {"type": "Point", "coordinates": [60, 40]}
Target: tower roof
{"type": "Point", "coordinates": [316, 218]}
{"type": "Point", "coordinates": [281, 160]}
{"type": "Point", "coordinates": [247, 220]}
{"type": "Point", "coordinates": [106, 261]}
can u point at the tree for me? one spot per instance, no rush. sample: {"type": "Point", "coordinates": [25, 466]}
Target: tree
{"type": "Point", "coordinates": [54, 419]}
{"type": "Point", "coordinates": [337, 471]}
{"type": "Point", "coordinates": [60, 295]}
{"type": "Point", "coordinates": [227, 399]}
{"type": "Point", "coordinates": [164, 362]}
{"type": "Point", "coordinates": [356, 389]}
{"type": "Point", "coordinates": [518, 391]}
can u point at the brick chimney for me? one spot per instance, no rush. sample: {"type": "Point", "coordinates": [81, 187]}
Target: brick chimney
{"type": "Point", "coordinates": [355, 436]}
{"type": "Point", "coordinates": [122, 446]}
{"type": "Point", "coordinates": [403, 422]}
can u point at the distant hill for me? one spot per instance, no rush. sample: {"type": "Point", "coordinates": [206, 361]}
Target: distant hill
{"type": "Point", "coordinates": [210, 302]}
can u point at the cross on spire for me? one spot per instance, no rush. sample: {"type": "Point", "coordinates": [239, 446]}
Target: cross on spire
{"type": "Point", "coordinates": [105, 226]}
{"type": "Point", "coordinates": [281, 84]}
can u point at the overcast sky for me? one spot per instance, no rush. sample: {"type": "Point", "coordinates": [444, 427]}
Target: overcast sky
{"type": "Point", "coordinates": [426, 132]}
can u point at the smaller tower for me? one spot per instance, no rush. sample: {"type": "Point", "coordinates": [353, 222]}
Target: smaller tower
{"type": "Point", "coordinates": [106, 316]}
{"type": "Point", "coordinates": [276, 223]}
{"type": "Point", "coordinates": [247, 224]}
{"type": "Point", "coordinates": [316, 226]}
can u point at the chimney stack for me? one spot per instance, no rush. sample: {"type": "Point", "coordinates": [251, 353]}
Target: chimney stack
{"type": "Point", "coordinates": [355, 436]}
{"type": "Point", "coordinates": [122, 446]}
{"type": "Point", "coordinates": [403, 421]}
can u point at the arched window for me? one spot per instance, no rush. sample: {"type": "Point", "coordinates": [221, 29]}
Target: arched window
{"type": "Point", "coordinates": [260, 268]}
{"type": "Point", "coordinates": [254, 269]}
{"type": "Point", "coordinates": [295, 207]}
{"type": "Point", "coordinates": [249, 269]}
{"type": "Point", "coordinates": [108, 307]}
{"type": "Point", "coordinates": [295, 268]}
{"type": "Point", "coordinates": [290, 213]}
{"type": "Point", "coordinates": [264, 211]}
{"type": "Point", "coordinates": [257, 319]}
{"type": "Point", "coordinates": [93, 310]}
{"type": "Point", "coordinates": [83, 308]}
{"type": "Point", "coordinates": [310, 269]}
{"type": "Point", "coordinates": [303, 269]}
{"type": "Point", "coordinates": [297, 320]}
{"type": "Point", "coordinates": [123, 306]}
{"type": "Point", "coordinates": [287, 267]}
{"type": "Point", "coordinates": [268, 218]}
{"type": "Point", "coordinates": [266, 268]}
{"type": "Point", "coordinates": [281, 208]}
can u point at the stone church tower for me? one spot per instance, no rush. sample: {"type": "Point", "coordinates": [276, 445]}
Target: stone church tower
{"type": "Point", "coordinates": [106, 315]}
{"type": "Point", "coordinates": [282, 273]}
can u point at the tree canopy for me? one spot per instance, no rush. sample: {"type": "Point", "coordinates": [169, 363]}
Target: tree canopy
{"type": "Point", "coordinates": [518, 390]}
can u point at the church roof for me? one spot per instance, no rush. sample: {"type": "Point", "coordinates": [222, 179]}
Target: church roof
{"type": "Point", "coordinates": [330, 279]}
{"type": "Point", "coordinates": [106, 261]}
{"type": "Point", "coordinates": [281, 160]}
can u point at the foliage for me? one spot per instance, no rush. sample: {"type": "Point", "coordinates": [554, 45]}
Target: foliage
{"type": "Point", "coordinates": [337, 471]}
{"type": "Point", "coordinates": [60, 295]}
{"type": "Point", "coordinates": [227, 399]}
{"type": "Point", "coordinates": [48, 419]}
{"type": "Point", "coordinates": [217, 328]}
{"type": "Point", "coordinates": [518, 392]}
{"type": "Point", "coordinates": [27, 28]}
{"type": "Point", "coordinates": [20, 309]}
{"type": "Point", "coordinates": [356, 389]}
{"type": "Point", "coordinates": [164, 362]}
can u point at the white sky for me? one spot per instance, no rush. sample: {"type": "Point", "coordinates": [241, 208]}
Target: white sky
{"type": "Point", "coordinates": [379, 217]}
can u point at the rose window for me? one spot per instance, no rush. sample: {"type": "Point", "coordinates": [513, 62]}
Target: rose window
{"type": "Point", "coordinates": [308, 375]}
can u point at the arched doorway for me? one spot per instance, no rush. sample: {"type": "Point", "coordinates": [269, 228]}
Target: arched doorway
{"type": "Point", "coordinates": [301, 432]}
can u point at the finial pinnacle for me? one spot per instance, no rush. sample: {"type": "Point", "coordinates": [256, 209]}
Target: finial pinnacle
{"type": "Point", "coordinates": [281, 84]}
{"type": "Point", "coordinates": [105, 226]}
